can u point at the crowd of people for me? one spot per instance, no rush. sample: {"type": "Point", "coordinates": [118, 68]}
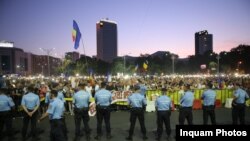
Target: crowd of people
{"type": "Point", "coordinates": [36, 99]}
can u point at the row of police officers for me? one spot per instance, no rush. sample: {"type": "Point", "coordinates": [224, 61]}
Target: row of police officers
{"type": "Point", "coordinates": [103, 98]}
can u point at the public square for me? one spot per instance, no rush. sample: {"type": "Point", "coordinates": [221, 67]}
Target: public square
{"type": "Point", "coordinates": [120, 125]}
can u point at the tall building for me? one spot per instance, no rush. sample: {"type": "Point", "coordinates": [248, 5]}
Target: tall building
{"type": "Point", "coordinates": [14, 60]}
{"type": "Point", "coordinates": [73, 56]}
{"type": "Point", "coordinates": [106, 33]}
{"type": "Point", "coordinates": [203, 42]}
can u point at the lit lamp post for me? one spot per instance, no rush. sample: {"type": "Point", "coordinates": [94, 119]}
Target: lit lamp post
{"type": "Point", "coordinates": [42, 70]}
{"type": "Point", "coordinates": [18, 68]}
{"type": "Point", "coordinates": [238, 66]}
{"type": "Point", "coordinates": [218, 63]}
{"type": "Point", "coordinates": [48, 52]}
{"type": "Point", "coordinates": [173, 58]}
{"type": "Point", "coordinates": [124, 63]}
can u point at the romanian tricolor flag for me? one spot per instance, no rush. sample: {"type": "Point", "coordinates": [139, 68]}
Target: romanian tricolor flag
{"type": "Point", "coordinates": [76, 34]}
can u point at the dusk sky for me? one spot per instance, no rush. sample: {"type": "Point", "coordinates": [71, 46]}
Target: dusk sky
{"type": "Point", "coordinates": [144, 26]}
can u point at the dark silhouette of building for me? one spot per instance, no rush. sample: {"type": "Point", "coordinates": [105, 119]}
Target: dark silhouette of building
{"type": "Point", "coordinates": [14, 60]}
{"type": "Point", "coordinates": [106, 32]}
{"type": "Point", "coordinates": [40, 64]}
{"type": "Point", "coordinates": [73, 56]}
{"type": "Point", "coordinates": [203, 42]}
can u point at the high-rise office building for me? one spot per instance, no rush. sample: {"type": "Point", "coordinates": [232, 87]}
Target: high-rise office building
{"type": "Point", "coordinates": [106, 33]}
{"type": "Point", "coordinates": [203, 42]}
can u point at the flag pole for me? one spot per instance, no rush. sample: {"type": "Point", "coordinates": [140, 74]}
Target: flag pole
{"type": "Point", "coordinates": [85, 55]}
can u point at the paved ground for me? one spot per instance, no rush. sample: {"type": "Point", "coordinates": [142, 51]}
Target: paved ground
{"type": "Point", "coordinates": [120, 125]}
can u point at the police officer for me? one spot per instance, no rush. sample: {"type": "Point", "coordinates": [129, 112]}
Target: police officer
{"type": "Point", "coordinates": [55, 113]}
{"type": "Point", "coordinates": [143, 88]}
{"type": "Point", "coordinates": [209, 97]}
{"type": "Point", "coordinates": [6, 104]}
{"type": "Point", "coordinates": [186, 103]}
{"type": "Point", "coordinates": [238, 105]}
{"type": "Point", "coordinates": [81, 101]}
{"type": "Point", "coordinates": [163, 105]}
{"type": "Point", "coordinates": [137, 101]}
{"type": "Point", "coordinates": [60, 95]}
{"type": "Point", "coordinates": [48, 99]}
{"type": "Point", "coordinates": [30, 103]}
{"type": "Point", "coordinates": [103, 99]}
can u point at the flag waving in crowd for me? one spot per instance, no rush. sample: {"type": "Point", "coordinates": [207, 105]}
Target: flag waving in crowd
{"type": "Point", "coordinates": [76, 34]}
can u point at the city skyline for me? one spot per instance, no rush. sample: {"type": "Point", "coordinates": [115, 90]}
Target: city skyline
{"type": "Point", "coordinates": [144, 27]}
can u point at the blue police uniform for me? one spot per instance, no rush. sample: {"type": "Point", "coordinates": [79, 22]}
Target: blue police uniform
{"type": "Point", "coordinates": [48, 100]}
{"type": "Point", "coordinates": [163, 106]}
{"type": "Point", "coordinates": [60, 96]}
{"type": "Point", "coordinates": [163, 103]}
{"type": "Point", "coordinates": [103, 99]}
{"type": "Point", "coordinates": [6, 103]}
{"type": "Point", "coordinates": [186, 103]}
{"type": "Point", "coordinates": [187, 99]}
{"type": "Point", "coordinates": [137, 101]}
{"type": "Point", "coordinates": [81, 101]}
{"type": "Point", "coordinates": [238, 110]}
{"type": "Point", "coordinates": [30, 101]}
{"type": "Point", "coordinates": [209, 97]}
{"type": "Point", "coordinates": [241, 96]}
{"type": "Point", "coordinates": [55, 111]}
{"type": "Point", "coordinates": [143, 89]}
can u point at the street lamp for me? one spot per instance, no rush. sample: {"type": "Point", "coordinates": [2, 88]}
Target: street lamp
{"type": "Point", "coordinates": [124, 62]}
{"type": "Point", "coordinates": [173, 58]}
{"type": "Point", "coordinates": [238, 66]}
{"type": "Point", "coordinates": [18, 69]}
{"type": "Point", "coordinates": [48, 52]}
{"type": "Point", "coordinates": [218, 63]}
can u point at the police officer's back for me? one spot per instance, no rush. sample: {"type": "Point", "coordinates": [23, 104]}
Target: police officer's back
{"type": "Point", "coordinates": [163, 105]}
{"type": "Point", "coordinates": [55, 113]}
{"type": "Point", "coordinates": [238, 105]}
{"type": "Point", "coordinates": [103, 99]}
{"type": "Point", "coordinates": [209, 98]}
{"type": "Point", "coordinates": [137, 102]}
{"type": "Point", "coordinates": [186, 103]}
{"type": "Point", "coordinates": [30, 103]}
{"type": "Point", "coordinates": [6, 104]}
{"type": "Point", "coordinates": [81, 101]}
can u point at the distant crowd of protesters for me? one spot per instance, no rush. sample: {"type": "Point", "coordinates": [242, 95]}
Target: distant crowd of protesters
{"type": "Point", "coordinates": [20, 87]}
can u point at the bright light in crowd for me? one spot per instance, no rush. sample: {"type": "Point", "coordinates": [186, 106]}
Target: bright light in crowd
{"type": "Point", "coordinates": [236, 74]}
{"type": "Point", "coordinates": [77, 74]}
{"type": "Point", "coordinates": [126, 77]}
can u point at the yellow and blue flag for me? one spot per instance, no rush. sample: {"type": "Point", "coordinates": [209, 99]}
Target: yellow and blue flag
{"type": "Point", "coordinates": [145, 65]}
